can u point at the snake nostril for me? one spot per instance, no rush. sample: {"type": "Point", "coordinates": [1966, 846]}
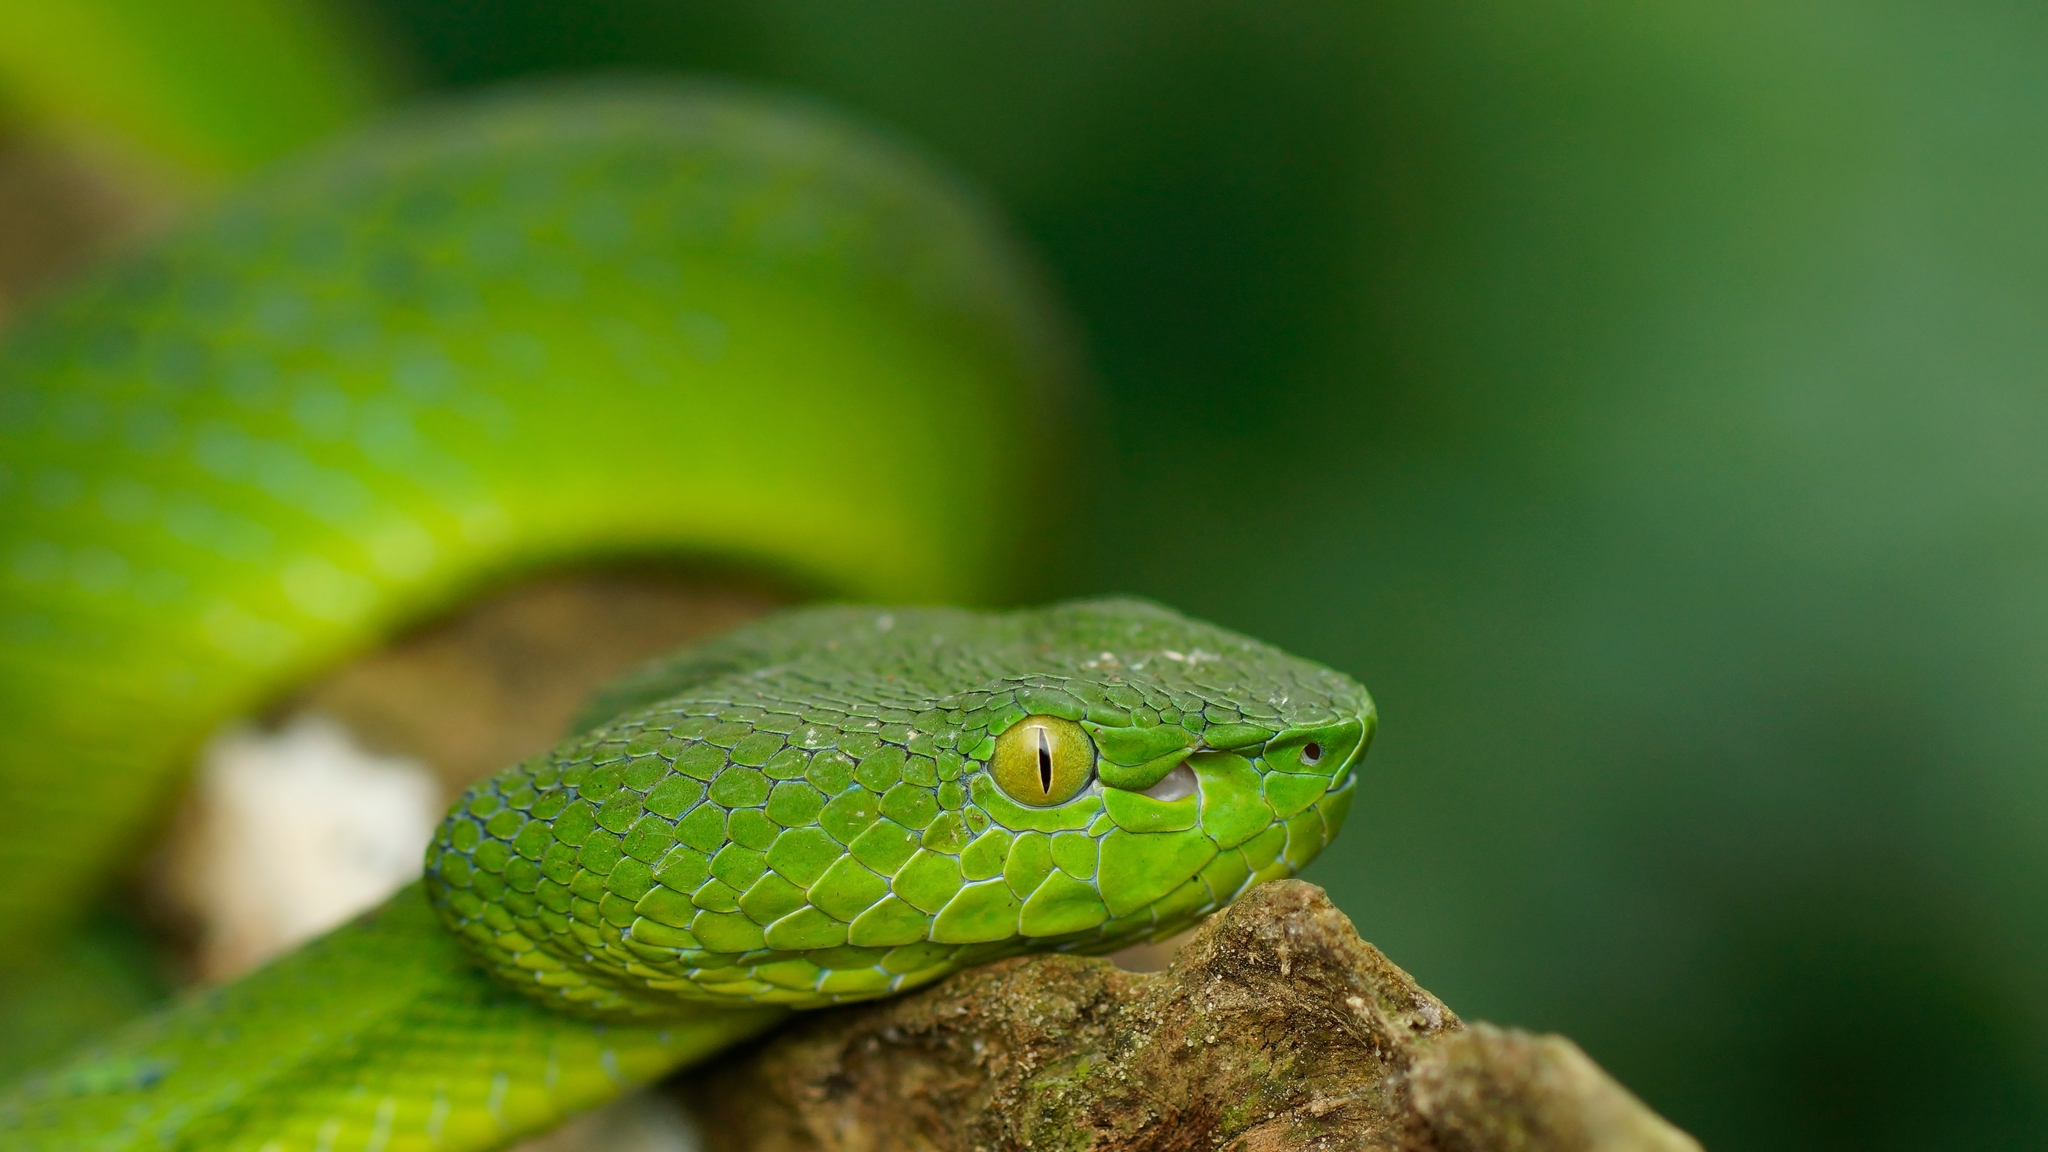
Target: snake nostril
{"type": "Point", "coordinates": [1311, 754]}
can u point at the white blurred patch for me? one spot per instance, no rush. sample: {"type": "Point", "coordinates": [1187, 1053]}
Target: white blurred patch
{"type": "Point", "coordinates": [291, 833]}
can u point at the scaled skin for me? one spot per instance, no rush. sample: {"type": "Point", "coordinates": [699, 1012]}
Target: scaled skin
{"type": "Point", "coordinates": [798, 814]}
{"type": "Point", "coordinates": [802, 813]}
{"type": "Point", "coordinates": [505, 333]}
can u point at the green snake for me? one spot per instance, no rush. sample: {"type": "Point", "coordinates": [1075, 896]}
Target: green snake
{"type": "Point", "coordinates": [588, 322]}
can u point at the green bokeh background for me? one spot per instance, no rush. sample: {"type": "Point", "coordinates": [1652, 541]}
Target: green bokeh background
{"type": "Point", "coordinates": [1647, 399]}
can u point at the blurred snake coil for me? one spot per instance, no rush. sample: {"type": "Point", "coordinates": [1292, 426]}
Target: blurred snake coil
{"type": "Point", "coordinates": [571, 324]}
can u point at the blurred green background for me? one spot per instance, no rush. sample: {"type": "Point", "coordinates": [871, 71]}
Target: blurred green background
{"type": "Point", "coordinates": [1648, 400]}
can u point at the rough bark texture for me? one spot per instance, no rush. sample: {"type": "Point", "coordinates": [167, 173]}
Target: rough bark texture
{"type": "Point", "coordinates": [1276, 1028]}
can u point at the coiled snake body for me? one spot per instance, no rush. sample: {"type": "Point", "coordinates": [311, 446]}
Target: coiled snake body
{"type": "Point", "coordinates": [574, 323]}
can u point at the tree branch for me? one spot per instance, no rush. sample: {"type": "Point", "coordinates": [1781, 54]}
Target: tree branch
{"type": "Point", "coordinates": [1276, 1028]}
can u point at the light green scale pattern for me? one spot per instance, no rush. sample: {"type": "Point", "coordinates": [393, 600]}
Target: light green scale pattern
{"type": "Point", "coordinates": [520, 330]}
{"type": "Point", "coordinates": [380, 1037]}
{"type": "Point", "coordinates": [795, 815]}
{"type": "Point", "coordinates": [802, 813]}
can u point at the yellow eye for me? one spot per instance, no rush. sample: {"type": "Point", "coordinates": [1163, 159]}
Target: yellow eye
{"type": "Point", "coordinates": [1042, 761]}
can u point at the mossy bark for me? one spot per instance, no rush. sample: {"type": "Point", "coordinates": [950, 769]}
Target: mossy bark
{"type": "Point", "coordinates": [1275, 1028]}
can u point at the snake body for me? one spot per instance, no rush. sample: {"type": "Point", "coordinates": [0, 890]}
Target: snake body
{"type": "Point", "coordinates": [555, 325]}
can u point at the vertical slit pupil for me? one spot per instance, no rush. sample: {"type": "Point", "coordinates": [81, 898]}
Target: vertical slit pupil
{"type": "Point", "coordinates": [1044, 763]}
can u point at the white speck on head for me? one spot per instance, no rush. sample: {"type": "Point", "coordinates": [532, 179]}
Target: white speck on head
{"type": "Point", "coordinates": [884, 622]}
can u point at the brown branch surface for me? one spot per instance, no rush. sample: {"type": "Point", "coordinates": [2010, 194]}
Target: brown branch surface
{"type": "Point", "coordinates": [1276, 1028]}
{"type": "Point", "coordinates": [501, 678]}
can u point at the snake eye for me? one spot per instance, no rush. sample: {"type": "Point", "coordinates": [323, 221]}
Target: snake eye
{"type": "Point", "coordinates": [1042, 761]}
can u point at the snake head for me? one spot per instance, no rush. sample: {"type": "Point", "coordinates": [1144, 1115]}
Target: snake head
{"type": "Point", "coordinates": [839, 803]}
